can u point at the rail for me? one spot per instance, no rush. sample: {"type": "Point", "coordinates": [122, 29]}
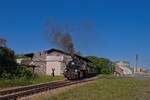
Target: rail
{"type": "Point", "coordinates": [13, 94]}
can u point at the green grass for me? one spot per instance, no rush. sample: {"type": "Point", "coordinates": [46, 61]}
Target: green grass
{"type": "Point", "coordinates": [5, 83]}
{"type": "Point", "coordinates": [108, 88]}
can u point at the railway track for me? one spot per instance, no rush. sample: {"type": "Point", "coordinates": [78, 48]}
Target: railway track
{"type": "Point", "coordinates": [13, 94]}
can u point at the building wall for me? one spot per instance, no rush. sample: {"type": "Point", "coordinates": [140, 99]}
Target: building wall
{"type": "Point", "coordinates": [39, 61]}
{"type": "Point", "coordinates": [54, 65]}
{"type": "Point", "coordinates": [41, 68]}
{"type": "Point", "coordinates": [57, 61]}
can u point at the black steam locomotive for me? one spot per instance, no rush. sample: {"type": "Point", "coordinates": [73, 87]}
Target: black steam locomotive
{"type": "Point", "coordinates": [77, 69]}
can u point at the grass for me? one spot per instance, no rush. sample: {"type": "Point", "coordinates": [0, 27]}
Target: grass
{"type": "Point", "coordinates": [6, 83]}
{"type": "Point", "coordinates": [108, 88]}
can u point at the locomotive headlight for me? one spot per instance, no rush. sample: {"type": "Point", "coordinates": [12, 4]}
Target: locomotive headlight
{"type": "Point", "coordinates": [72, 63]}
{"type": "Point", "coordinates": [76, 70]}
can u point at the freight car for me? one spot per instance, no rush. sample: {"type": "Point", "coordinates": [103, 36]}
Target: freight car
{"type": "Point", "coordinates": [77, 69]}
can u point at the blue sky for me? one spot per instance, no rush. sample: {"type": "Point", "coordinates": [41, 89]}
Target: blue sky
{"type": "Point", "coordinates": [121, 27]}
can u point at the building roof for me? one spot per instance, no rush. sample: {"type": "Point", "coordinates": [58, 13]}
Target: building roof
{"type": "Point", "coordinates": [121, 62]}
{"type": "Point", "coordinates": [52, 50]}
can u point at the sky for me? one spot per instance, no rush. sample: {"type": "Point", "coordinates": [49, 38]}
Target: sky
{"type": "Point", "coordinates": [120, 28]}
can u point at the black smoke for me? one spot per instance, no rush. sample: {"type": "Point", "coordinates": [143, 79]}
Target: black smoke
{"type": "Point", "coordinates": [63, 41]}
{"type": "Point", "coordinates": [59, 35]}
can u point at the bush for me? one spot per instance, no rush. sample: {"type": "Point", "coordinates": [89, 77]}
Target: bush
{"type": "Point", "coordinates": [20, 72]}
{"type": "Point", "coordinates": [23, 72]}
{"type": "Point", "coordinates": [5, 75]}
{"type": "Point", "coordinates": [105, 71]}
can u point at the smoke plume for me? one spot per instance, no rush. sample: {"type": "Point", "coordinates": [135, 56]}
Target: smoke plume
{"type": "Point", "coordinates": [59, 36]}
{"type": "Point", "coordinates": [64, 41]}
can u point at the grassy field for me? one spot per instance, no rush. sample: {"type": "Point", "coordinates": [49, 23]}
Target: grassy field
{"type": "Point", "coordinates": [107, 88]}
{"type": "Point", "coordinates": [6, 83]}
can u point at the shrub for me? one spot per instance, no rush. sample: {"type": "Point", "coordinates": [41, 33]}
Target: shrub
{"type": "Point", "coordinates": [20, 72]}
{"type": "Point", "coordinates": [23, 72]}
{"type": "Point", "coordinates": [5, 75]}
{"type": "Point", "coordinates": [105, 71]}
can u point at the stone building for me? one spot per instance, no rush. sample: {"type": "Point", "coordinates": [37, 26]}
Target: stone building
{"type": "Point", "coordinates": [43, 62]}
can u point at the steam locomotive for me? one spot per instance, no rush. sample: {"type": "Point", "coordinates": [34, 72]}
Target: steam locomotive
{"type": "Point", "coordinates": [77, 69]}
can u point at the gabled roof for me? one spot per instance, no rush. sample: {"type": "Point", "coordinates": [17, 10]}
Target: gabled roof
{"type": "Point", "coordinates": [51, 50]}
{"type": "Point", "coordinates": [57, 50]}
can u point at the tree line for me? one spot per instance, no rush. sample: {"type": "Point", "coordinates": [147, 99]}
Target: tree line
{"type": "Point", "coordinates": [102, 65]}
{"type": "Point", "coordinates": [8, 65]}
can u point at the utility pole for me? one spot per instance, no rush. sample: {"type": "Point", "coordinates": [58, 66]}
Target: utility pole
{"type": "Point", "coordinates": [136, 62]}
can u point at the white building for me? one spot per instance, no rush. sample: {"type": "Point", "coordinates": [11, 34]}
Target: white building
{"type": "Point", "coordinates": [122, 68]}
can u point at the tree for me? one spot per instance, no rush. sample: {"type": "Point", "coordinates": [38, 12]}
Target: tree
{"type": "Point", "coordinates": [8, 65]}
{"type": "Point", "coordinates": [2, 42]}
{"type": "Point", "coordinates": [7, 61]}
{"type": "Point", "coordinates": [103, 65]}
